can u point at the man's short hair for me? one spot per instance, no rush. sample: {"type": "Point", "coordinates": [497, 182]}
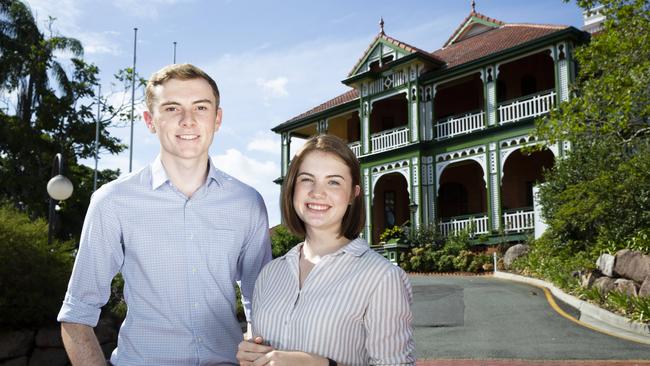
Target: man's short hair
{"type": "Point", "coordinates": [354, 217]}
{"type": "Point", "coordinates": [179, 72]}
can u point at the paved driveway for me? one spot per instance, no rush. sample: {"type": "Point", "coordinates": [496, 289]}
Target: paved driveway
{"type": "Point", "coordinates": [484, 318]}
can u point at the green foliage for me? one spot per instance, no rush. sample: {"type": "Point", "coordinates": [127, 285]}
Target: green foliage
{"type": "Point", "coordinates": [554, 262]}
{"type": "Point", "coordinates": [116, 303]}
{"type": "Point", "coordinates": [34, 275]}
{"type": "Point", "coordinates": [395, 232]}
{"type": "Point", "coordinates": [282, 240]}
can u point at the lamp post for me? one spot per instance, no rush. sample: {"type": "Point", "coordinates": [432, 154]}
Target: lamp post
{"type": "Point", "coordinates": [59, 188]}
{"type": "Point", "coordinates": [413, 207]}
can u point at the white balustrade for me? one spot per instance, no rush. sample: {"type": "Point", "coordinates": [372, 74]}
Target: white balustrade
{"type": "Point", "coordinates": [527, 107]}
{"type": "Point", "coordinates": [356, 148]}
{"type": "Point", "coordinates": [478, 224]}
{"type": "Point", "coordinates": [459, 125]}
{"type": "Point", "coordinates": [519, 220]}
{"type": "Point", "coordinates": [389, 139]}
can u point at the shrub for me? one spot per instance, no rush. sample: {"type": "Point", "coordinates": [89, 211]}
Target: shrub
{"type": "Point", "coordinates": [395, 232]}
{"type": "Point", "coordinates": [34, 274]}
{"type": "Point", "coordinates": [282, 240]}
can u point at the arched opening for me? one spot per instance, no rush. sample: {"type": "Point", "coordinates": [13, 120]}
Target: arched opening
{"type": "Point", "coordinates": [521, 172]}
{"type": "Point", "coordinates": [390, 204]}
{"type": "Point", "coordinates": [462, 190]}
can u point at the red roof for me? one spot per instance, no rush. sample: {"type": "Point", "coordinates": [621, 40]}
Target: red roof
{"type": "Point", "coordinates": [493, 41]}
{"type": "Point", "coordinates": [471, 15]}
{"type": "Point", "coordinates": [465, 50]}
{"type": "Point", "coordinates": [348, 96]}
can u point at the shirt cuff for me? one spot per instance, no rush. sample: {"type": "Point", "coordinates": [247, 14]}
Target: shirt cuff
{"type": "Point", "coordinates": [75, 311]}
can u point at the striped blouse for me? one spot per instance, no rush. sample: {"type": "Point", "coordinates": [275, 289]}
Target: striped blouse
{"type": "Point", "coordinates": [354, 307]}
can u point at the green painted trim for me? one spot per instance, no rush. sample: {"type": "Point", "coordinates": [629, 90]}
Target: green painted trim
{"type": "Point", "coordinates": [372, 48]}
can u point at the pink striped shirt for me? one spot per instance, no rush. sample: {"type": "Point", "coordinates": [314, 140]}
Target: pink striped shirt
{"type": "Point", "coordinates": [354, 307]}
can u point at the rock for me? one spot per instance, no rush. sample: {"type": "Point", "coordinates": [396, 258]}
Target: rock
{"type": "Point", "coordinates": [632, 265]}
{"type": "Point", "coordinates": [488, 267]}
{"type": "Point", "coordinates": [605, 264]}
{"type": "Point", "coordinates": [587, 280]}
{"type": "Point", "coordinates": [644, 291]}
{"type": "Point", "coordinates": [105, 331]}
{"type": "Point", "coordinates": [49, 337]}
{"type": "Point", "coordinates": [22, 361]}
{"type": "Point", "coordinates": [604, 285]}
{"type": "Point", "coordinates": [626, 286]}
{"type": "Point", "coordinates": [513, 253]}
{"type": "Point", "coordinates": [15, 343]}
{"type": "Point", "coordinates": [49, 357]}
{"type": "Point", "coordinates": [108, 348]}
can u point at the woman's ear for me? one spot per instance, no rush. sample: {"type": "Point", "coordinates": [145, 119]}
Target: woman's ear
{"type": "Point", "coordinates": [357, 191]}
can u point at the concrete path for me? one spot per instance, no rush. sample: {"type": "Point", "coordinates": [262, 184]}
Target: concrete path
{"type": "Point", "coordinates": [461, 320]}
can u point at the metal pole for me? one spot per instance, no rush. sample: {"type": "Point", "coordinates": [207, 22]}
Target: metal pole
{"type": "Point", "coordinates": [174, 51]}
{"type": "Point", "coordinates": [99, 103]}
{"type": "Point", "coordinates": [135, 41]}
{"type": "Point", "coordinates": [52, 213]}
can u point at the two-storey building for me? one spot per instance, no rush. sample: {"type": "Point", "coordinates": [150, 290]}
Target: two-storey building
{"type": "Point", "coordinates": [439, 134]}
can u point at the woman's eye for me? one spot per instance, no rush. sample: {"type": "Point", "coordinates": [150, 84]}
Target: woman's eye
{"type": "Point", "coordinates": [334, 183]}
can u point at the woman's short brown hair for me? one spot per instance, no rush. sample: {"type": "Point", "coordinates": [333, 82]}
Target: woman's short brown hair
{"type": "Point", "coordinates": [178, 72]}
{"type": "Point", "coordinates": [354, 218]}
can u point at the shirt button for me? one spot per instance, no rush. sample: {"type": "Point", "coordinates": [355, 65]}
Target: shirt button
{"type": "Point", "coordinates": [196, 304]}
{"type": "Point", "coordinates": [193, 269]}
{"type": "Point", "coordinates": [191, 236]}
{"type": "Point", "coordinates": [198, 339]}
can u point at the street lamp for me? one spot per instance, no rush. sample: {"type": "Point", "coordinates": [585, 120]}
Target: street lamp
{"type": "Point", "coordinates": [59, 188]}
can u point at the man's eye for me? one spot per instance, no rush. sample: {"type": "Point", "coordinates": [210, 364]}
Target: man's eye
{"type": "Point", "coordinates": [171, 109]}
{"type": "Point", "coordinates": [202, 108]}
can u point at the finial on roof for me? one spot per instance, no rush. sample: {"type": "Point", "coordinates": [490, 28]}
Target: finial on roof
{"type": "Point", "coordinates": [473, 6]}
{"type": "Point", "coordinates": [381, 25]}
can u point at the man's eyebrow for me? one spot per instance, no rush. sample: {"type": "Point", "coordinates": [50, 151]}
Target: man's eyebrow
{"type": "Point", "coordinates": [169, 103]}
{"type": "Point", "coordinates": [203, 101]}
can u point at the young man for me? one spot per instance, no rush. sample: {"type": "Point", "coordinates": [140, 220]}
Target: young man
{"type": "Point", "coordinates": [181, 233]}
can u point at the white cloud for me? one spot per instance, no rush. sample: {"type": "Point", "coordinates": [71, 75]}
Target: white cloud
{"type": "Point", "coordinates": [275, 87]}
{"type": "Point", "coordinates": [257, 174]}
{"type": "Point", "coordinates": [100, 42]}
{"type": "Point", "coordinates": [144, 8]}
{"type": "Point", "coordinates": [265, 142]}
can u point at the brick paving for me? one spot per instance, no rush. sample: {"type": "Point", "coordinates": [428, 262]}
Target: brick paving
{"type": "Point", "coordinates": [532, 363]}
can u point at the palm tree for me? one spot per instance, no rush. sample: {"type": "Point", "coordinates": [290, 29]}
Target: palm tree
{"type": "Point", "coordinates": [27, 57]}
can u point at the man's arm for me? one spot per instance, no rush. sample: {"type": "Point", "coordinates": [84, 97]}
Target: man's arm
{"type": "Point", "coordinates": [81, 344]}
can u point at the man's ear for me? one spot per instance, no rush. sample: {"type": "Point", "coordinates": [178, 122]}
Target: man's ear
{"type": "Point", "coordinates": [148, 120]}
{"type": "Point", "coordinates": [217, 121]}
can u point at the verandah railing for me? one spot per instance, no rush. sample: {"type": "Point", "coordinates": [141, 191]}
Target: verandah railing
{"type": "Point", "coordinates": [460, 124]}
{"type": "Point", "coordinates": [478, 224]}
{"type": "Point", "coordinates": [389, 139]}
{"type": "Point", "coordinates": [527, 107]}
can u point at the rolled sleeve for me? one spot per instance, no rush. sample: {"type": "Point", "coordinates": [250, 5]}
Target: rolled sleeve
{"type": "Point", "coordinates": [388, 321]}
{"type": "Point", "coordinates": [255, 253]}
{"type": "Point", "coordinates": [98, 260]}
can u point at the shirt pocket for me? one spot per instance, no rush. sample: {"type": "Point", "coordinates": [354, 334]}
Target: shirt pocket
{"type": "Point", "coordinates": [220, 250]}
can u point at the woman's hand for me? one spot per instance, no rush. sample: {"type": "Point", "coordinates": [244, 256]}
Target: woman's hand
{"type": "Point", "coordinates": [289, 358]}
{"type": "Point", "coordinates": [252, 350]}
{"type": "Point", "coordinates": [255, 353]}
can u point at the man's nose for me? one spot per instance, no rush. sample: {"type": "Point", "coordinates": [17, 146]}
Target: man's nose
{"type": "Point", "coordinates": [187, 119]}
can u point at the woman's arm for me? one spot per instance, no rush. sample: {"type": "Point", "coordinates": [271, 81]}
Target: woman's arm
{"type": "Point", "coordinates": [257, 354]}
{"type": "Point", "coordinates": [388, 321]}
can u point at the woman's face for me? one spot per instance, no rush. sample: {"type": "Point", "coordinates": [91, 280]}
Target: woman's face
{"type": "Point", "coordinates": [322, 191]}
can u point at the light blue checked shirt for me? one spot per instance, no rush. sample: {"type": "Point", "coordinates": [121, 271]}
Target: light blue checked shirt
{"type": "Point", "coordinates": [180, 259]}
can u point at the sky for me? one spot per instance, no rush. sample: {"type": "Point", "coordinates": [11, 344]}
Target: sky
{"type": "Point", "coordinates": [272, 60]}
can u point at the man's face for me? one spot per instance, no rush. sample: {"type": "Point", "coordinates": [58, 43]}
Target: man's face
{"type": "Point", "coordinates": [185, 118]}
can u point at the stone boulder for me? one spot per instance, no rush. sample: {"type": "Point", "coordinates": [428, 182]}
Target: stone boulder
{"type": "Point", "coordinates": [15, 343]}
{"type": "Point", "coordinates": [513, 253]}
{"type": "Point", "coordinates": [628, 287]}
{"type": "Point", "coordinates": [604, 285]}
{"type": "Point", "coordinates": [644, 291]}
{"type": "Point", "coordinates": [49, 337]}
{"type": "Point", "coordinates": [632, 265]}
{"type": "Point", "coordinates": [49, 357]}
{"type": "Point", "coordinates": [605, 264]}
{"type": "Point", "coordinates": [587, 280]}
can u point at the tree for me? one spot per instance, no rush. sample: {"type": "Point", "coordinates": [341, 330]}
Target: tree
{"type": "Point", "coordinates": [54, 112]}
{"type": "Point", "coordinates": [597, 198]}
{"type": "Point", "coordinates": [612, 92]}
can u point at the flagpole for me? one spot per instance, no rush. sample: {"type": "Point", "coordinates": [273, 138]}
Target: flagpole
{"type": "Point", "coordinates": [174, 51]}
{"type": "Point", "coordinates": [135, 41]}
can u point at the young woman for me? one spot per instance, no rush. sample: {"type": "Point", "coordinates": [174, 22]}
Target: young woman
{"type": "Point", "coordinates": [331, 299]}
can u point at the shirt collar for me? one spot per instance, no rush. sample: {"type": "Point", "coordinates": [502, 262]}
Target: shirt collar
{"type": "Point", "coordinates": [159, 175]}
{"type": "Point", "coordinates": [356, 248]}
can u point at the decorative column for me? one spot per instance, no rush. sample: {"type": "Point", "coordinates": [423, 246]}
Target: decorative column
{"type": "Point", "coordinates": [414, 125]}
{"type": "Point", "coordinates": [494, 187]}
{"type": "Point", "coordinates": [428, 192]}
{"type": "Point", "coordinates": [415, 190]}
{"type": "Point", "coordinates": [366, 108]}
{"type": "Point", "coordinates": [366, 201]}
{"type": "Point", "coordinates": [322, 126]}
{"type": "Point", "coordinates": [489, 77]}
{"type": "Point", "coordinates": [560, 56]}
{"type": "Point", "coordinates": [286, 148]}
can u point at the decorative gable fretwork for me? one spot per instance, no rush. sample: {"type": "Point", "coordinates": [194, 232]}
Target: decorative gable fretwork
{"type": "Point", "coordinates": [476, 153]}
